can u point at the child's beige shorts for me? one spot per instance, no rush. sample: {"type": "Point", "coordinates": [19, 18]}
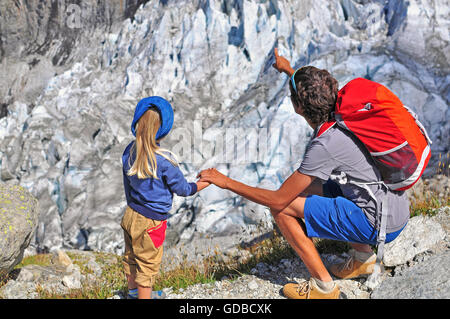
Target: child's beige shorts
{"type": "Point", "coordinates": [143, 246]}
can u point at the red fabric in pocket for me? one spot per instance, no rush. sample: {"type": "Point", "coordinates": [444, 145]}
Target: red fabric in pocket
{"type": "Point", "coordinates": [158, 233]}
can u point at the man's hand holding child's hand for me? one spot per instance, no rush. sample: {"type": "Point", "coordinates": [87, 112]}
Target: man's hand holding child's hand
{"type": "Point", "coordinates": [212, 175]}
{"type": "Point", "coordinates": [202, 185]}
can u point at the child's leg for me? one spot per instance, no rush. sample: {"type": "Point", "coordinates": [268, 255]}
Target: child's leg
{"type": "Point", "coordinates": [144, 292]}
{"type": "Point", "coordinates": [146, 255]}
{"type": "Point", "coordinates": [128, 261]}
{"type": "Point", "coordinates": [131, 282]}
{"type": "Point", "coordinates": [134, 227]}
{"type": "Point", "coordinates": [137, 291]}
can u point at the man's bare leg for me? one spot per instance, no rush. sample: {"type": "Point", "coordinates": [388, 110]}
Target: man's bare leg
{"type": "Point", "coordinates": [293, 229]}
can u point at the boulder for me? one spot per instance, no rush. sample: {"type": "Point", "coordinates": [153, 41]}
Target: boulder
{"type": "Point", "coordinates": [420, 234]}
{"type": "Point", "coordinates": [419, 258]}
{"type": "Point", "coordinates": [425, 280]}
{"type": "Point", "coordinates": [19, 215]}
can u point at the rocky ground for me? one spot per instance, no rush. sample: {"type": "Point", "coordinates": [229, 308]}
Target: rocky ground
{"type": "Point", "coordinates": [424, 275]}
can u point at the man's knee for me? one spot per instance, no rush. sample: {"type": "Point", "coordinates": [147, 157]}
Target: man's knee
{"type": "Point", "coordinates": [279, 216]}
{"type": "Point", "coordinates": [294, 209]}
{"type": "Point", "coordinates": [285, 223]}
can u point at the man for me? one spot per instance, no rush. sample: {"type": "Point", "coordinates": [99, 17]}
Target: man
{"type": "Point", "coordinates": [337, 211]}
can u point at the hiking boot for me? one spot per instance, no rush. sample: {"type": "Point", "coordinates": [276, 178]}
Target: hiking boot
{"type": "Point", "coordinates": [309, 290]}
{"type": "Point", "coordinates": [353, 268]}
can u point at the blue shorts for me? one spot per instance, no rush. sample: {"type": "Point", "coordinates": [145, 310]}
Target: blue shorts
{"type": "Point", "coordinates": [335, 217]}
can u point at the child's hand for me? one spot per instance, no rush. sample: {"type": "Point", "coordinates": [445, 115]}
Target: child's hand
{"type": "Point", "coordinates": [212, 175]}
{"type": "Point", "coordinates": [202, 185]}
{"type": "Point", "coordinates": [282, 64]}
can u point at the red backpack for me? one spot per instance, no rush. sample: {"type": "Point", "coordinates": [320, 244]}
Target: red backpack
{"type": "Point", "coordinates": [396, 140]}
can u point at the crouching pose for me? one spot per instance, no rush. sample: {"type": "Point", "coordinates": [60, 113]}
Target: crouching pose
{"type": "Point", "coordinates": [312, 203]}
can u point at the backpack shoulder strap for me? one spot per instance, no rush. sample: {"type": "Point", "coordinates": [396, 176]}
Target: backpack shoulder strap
{"type": "Point", "coordinates": [324, 127]}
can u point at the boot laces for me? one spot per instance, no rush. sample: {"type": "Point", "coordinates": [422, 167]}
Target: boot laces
{"type": "Point", "coordinates": [304, 287]}
{"type": "Point", "coordinates": [348, 264]}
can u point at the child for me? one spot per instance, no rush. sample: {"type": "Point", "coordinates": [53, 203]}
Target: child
{"type": "Point", "coordinates": [150, 177]}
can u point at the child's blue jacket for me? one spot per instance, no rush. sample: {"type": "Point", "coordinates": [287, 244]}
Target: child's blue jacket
{"type": "Point", "coordinates": [152, 197]}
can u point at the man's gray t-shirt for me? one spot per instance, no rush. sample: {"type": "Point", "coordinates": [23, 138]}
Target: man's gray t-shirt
{"type": "Point", "coordinates": [337, 151]}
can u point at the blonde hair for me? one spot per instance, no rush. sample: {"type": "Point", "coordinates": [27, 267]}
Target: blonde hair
{"type": "Point", "coordinates": [145, 147]}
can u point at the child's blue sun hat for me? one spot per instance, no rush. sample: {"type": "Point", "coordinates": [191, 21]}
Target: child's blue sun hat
{"type": "Point", "coordinates": [165, 111]}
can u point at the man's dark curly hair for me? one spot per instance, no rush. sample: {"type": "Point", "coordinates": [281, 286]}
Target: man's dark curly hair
{"type": "Point", "coordinates": [316, 93]}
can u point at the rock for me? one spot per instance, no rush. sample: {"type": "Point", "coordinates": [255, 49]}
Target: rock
{"type": "Point", "coordinates": [19, 290]}
{"type": "Point", "coordinates": [58, 277]}
{"type": "Point", "coordinates": [73, 279]}
{"type": "Point", "coordinates": [443, 217]}
{"type": "Point", "coordinates": [60, 258]}
{"type": "Point", "coordinates": [46, 277]}
{"type": "Point", "coordinates": [18, 221]}
{"type": "Point", "coordinates": [352, 289]}
{"type": "Point", "coordinates": [420, 234]}
{"type": "Point", "coordinates": [426, 280]}
{"type": "Point", "coordinates": [118, 295]}
{"type": "Point", "coordinates": [93, 266]}
{"type": "Point", "coordinates": [252, 285]}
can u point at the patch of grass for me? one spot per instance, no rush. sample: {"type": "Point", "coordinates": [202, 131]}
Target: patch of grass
{"type": "Point", "coordinates": [80, 262]}
{"type": "Point", "coordinates": [40, 259]}
{"type": "Point", "coordinates": [213, 268]}
{"type": "Point", "coordinates": [269, 251]}
{"type": "Point", "coordinates": [443, 167]}
{"type": "Point", "coordinates": [428, 206]}
{"type": "Point", "coordinates": [184, 276]}
{"type": "Point", "coordinates": [426, 201]}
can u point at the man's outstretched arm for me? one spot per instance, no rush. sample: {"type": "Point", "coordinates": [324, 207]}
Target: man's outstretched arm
{"type": "Point", "coordinates": [277, 200]}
